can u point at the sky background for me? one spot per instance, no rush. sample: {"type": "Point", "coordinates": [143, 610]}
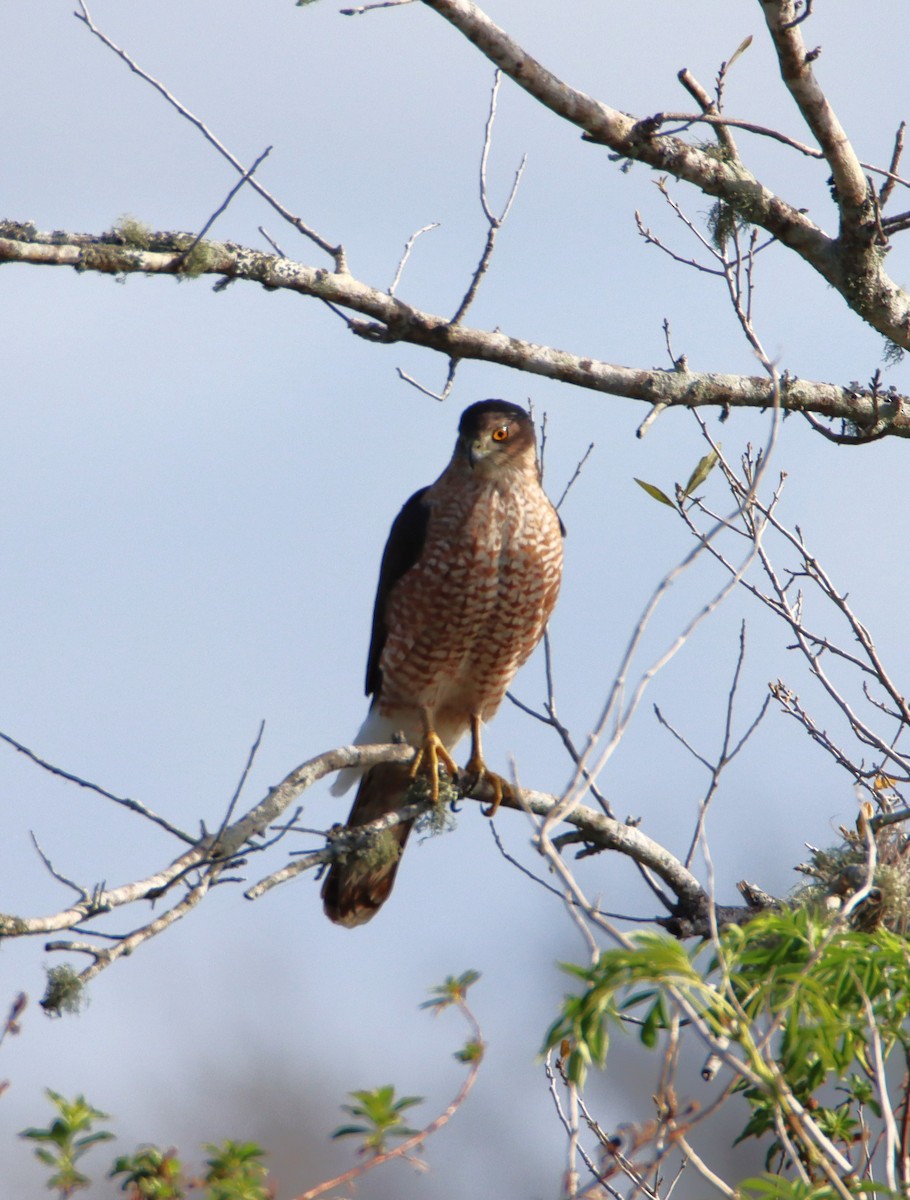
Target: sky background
{"type": "Point", "coordinates": [195, 490]}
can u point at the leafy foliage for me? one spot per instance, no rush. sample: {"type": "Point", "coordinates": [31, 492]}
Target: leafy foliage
{"type": "Point", "coordinates": [453, 991]}
{"type": "Point", "coordinates": [802, 1006]}
{"type": "Point", "coordinates": [64, 1142]}
{"type": "Point", "coordinates": [652, 959]}
{"type": "Point", "coordinates": [150, 1174]}
{"type": "Point", "coordinates": [235, 1170]}
{"type": "Point", "coordinates": [776, 1187]}
{"type": "Point", "coordinates": [380, 1112]}
{"type": "Point", "coordinates": [381, 1115]}
{"type": "Point", "coordinates": [700, 473]}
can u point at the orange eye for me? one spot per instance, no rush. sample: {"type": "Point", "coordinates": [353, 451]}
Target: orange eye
{"type": "Point", "coordinates": [501, 434]}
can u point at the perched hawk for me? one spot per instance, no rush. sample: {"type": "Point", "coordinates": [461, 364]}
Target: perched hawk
{"type": "Point", "coordinates": [469, 577]}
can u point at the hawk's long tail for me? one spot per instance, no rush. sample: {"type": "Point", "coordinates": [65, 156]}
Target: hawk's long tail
{"type": "Point", "coordinates": [357, 887]}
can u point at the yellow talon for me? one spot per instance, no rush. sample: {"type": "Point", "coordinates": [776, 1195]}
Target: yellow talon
{"type": "Point", "coordinates": [476, 770]}
{"type": "Point", "coordinates": [430, 754]}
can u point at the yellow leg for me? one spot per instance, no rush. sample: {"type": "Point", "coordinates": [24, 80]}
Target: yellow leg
{"type": "Point", "coordinates": [476, 768]}
{"type": "Point", "coordinates": [431, 753]}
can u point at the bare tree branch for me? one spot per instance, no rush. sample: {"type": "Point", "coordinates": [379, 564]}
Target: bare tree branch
{"type": "Point", "coordinates": [850, 263]}
{"type": "Point", "coordinates": [494, 223]}
{"type": "Point", "coordinates": [125, 801]}
{"type": "Point", "coordinates": [391, 320]}
{"type": "Point", "coordinates": [335, 252]}
{"type": "Point", "coordinates": [796, 72]}
{"type": "Point", "coordinates": [203, 866]}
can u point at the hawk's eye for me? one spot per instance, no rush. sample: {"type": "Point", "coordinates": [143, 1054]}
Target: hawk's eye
{"type": "Point", "coordinates": [501, 434]}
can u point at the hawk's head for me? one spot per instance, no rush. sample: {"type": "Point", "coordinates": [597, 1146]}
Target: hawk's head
{"type": "Point", "coordinates": [493, 434]}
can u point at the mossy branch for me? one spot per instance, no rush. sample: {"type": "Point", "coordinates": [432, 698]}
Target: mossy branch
{"type": "Point", "coordinates": [873, 412]}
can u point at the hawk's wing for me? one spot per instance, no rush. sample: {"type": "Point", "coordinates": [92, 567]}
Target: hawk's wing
{"type": "Point", "coordinates": [402, 550]}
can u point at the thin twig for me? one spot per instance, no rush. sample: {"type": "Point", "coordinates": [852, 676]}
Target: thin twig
{"type": "Point", "coordinates": [336, 252]}
{"type": "Point", "coordinates": [614, 916]}
{"type": "Point", "coordinates": [709, 108]}
{"type": "Point", "coordinates": [271, 241]}
{"type": "Point", "coordinates": [892, 1137]}
{"type": "Point", "coordinates": [52, 870]}
{"type": "Point", "coordinates": [566, 1123]}
{"type": "Point", "coordinates": [226, 820]}
{"type": "Point", "coordinates": [579, 467]}
{"type": "Point", "coordinates": [494, 222]}
{"type": "Point", "coordinates": [726, 754]}
{"type": "Point", "coordinates": [888, 186]}
{"type": "Point", "coordinates": [447, 387]}
{"type": "Point", "coordinates": [406, 253]}
{"type": "Point", "coordinates": [365, 8]}
{"type": "Point", "coordinates": [124, 801]}
{"type": "Point", "coordinates": [244, 178]}
{"type": "Point", "coordinates": [11, 1025]}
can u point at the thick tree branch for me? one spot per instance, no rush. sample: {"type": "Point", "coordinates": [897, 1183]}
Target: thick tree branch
{"type": "Point", "coordinates": [392, 320]}
{"type": "Point", "coordinates": [221, 848]}
{"type": "Point", "coordinates": [609, 834]}
{"type": "Point", "coordinates": [195, 872]}
{"type": "Point", "coordinates": [632, 138]}
{"type": "Point", "coordinates": [862, 239]}
{"type": "Point", "coordinates": [796, 72]}
{"type": "Point", "coordinates": [854, 266]}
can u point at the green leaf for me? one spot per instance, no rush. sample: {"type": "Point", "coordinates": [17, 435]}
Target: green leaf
{"type": "Point", "coordinates": [470, 1052]}
{"type": "Point", "coordinates": [151, 1174]}
{"type": "Point", "coordinates": [655, 1021]}
{"type": "Point", "coordinates": [776, 1187]}
{"type": "Point", "coordinates": [703, 469]}
{"type": "Point", "coordinates": [655, 493]}
{"type": "Point", "coordinates": [453, 991]}
{"type": "Point", "coordinates": [102, 1136]}
{"type": "Point", "coordinates": [349, 1131]}
{"type": "Point", "coordinates": [381, 1112]}
{"type": "Point", "coordinates": [740, 49]}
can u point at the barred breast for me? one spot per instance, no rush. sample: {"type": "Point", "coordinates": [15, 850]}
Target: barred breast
{"type": "Point", "coordinates": [470, 612]}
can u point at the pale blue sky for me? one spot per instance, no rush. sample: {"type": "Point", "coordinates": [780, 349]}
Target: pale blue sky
{"type": "Point", "coordinates": [195, 490]}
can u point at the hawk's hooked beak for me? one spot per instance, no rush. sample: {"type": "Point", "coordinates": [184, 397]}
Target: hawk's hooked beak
{"type": "Point", "coordinates": [477, 451]}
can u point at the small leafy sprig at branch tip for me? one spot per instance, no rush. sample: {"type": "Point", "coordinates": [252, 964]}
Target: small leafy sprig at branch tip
{"type": "Point", "coordinates": [380, 1114]}
{"type": "Point", "coordinates": [453, 993]}
{"type": "Point", "coordinates": [66, 1140]}
{"type": "Point", "coordinates": [234, 1170]}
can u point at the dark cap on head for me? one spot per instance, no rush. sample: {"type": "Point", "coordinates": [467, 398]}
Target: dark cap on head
{"type": "Point", "coordinates": [472, 417]}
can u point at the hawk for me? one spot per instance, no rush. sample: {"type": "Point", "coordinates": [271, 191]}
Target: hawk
{"type": "Point", "coordinates": [469, 577]}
